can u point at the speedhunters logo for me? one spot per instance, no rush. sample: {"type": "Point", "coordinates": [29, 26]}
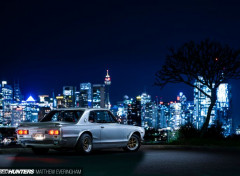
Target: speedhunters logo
{"type": "Point", "coordinates": [16, 171]}
{"type": "Point", "coordinates": [41, 171]}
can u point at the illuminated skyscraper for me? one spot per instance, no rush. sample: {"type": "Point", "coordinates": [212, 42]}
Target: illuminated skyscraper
{"type": "Point", "coordinates": [69, 96]}
{"type": "Point", "coordinates": [85, 95]}
{"type": "Point", "coordinates": [17, 93]}
{"type": "Point", "coordinates": [201, 102]}
{"type": "Point", "coordinates": [221, 110]}
{"type": "Point", "coordinates": [146, 110]}
{"type": "Point", "coordinates": [98, 96]}
{"type": "Point", "coordinates": [134, 112]}
{"type": "Point", "coordinates": [164, 114]}
{"type": "Point", "coordinates": [107, 82]}
{"type": "Point", "coordinates": [60, 101]}
{"type": "Point", "coordinates": [123, 107]}
{"type": "Point", "coordinates": [145, 98]}
{"type": "Point", "coordinates": [7, 93]}
{"type": "Point", "coordinates": [77, 99]}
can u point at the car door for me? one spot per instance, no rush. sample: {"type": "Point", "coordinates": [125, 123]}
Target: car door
{"type": "Point", "coordinates": [95, 128]}
{"type": "Point", "coordinates": [111, 131]}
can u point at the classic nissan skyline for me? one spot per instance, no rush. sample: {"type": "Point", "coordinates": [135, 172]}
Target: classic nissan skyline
{"type": "Point", "coordinates": [81, 129]}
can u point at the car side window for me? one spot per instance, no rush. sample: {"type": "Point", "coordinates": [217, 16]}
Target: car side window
{"type": "Point", "coordinates": [101, 117]}
{"type": "Point", "coordinates": [112, 119]}
{"type": "Point", "coordinates": [92, 117]}
{"type": "Point", "coordinates": [70, 116]}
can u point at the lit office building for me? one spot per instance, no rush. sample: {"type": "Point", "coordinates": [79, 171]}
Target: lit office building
{"type": "Point", "coordinates": [122, 112]}
{"type": "Point", "coordinates": [43, 98]}
{"type": "Point", "coordinates": [201, 105]}
{"type": "Point", "coordinates": [85, 97]}
{"type": "Point", "coordinates": [7, 93]}
{"type": "Point", "coordinates": [146, 110]}
{"type": "Point", "coordinates": [175, 116]}
{"type": "Point", "coordinates": [31, 110]}
{"type": "Point", "coordinates": [46, 101]}
{"type": "Point", "coordinates": [69, 96]}
{"type": "Point", "coordinates": [147, 114]}
{"type": "Point", "coordinates": [98, 96]}
{"type": "Point", "coordinates": [26, 111]}
{"type": "Point", "coordinates": [60, 101]}
{"type": "Point", "coordinates": [17, 93]}
{"type": "Point", "coordinates": [17, 114]}
{"type": "Point", "coordinates": [134, 112]}
{"type": "Point", "coordinates": [187, 108]}
{"type": "Point", "coordinates": [145, 98]}
{"type": "Point", "coordinates": [221, 110]}
{"type": "Point", "coordinates": [155, 116]}
{"type": "Point", "coordinates": [77, 99]}
{"type": "Point", "coordinates": [164, 114]}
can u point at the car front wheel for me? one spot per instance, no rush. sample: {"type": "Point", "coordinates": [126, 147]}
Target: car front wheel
{"type": "Point", "coordinates": [84, 144]}
{"type": "Point", "coordinates": [134, 144]}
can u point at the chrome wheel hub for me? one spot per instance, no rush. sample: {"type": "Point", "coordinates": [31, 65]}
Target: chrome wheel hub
{"type": "Point", "coordinates": [87, 145]}
{"type": "Point", "coordinates": [132, 143]}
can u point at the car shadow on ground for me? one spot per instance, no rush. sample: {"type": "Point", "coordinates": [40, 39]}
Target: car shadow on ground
{"type": "Point", "coordinates": [99, 162]}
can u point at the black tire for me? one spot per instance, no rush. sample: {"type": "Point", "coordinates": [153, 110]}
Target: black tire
{"type": "Point", "coordinates": [134, 144]}
{"type": "Point", "coordinates": [84, 145]}
{"type": "Point", "coordinates": [40, 151]}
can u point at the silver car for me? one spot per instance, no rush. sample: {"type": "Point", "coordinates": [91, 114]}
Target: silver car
{"type": "Point", "coordinates": [81, 129]}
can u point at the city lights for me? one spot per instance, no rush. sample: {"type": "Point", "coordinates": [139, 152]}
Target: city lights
{"type": "Point", "coordinates": [140, 111]}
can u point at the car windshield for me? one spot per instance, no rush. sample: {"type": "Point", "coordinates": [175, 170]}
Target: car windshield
{"type": "Point", "coordinates": [63, 116]}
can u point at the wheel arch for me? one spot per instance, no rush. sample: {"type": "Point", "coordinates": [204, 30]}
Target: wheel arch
{"type": "Point", "coordinates": [134, 132]}
{"type": "Point", "coordinates": [81, 133]}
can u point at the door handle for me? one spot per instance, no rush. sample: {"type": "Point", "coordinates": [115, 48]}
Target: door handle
{"type": "Point", "coordinates": [102, 126]}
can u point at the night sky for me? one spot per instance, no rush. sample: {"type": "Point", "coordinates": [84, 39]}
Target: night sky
{"type": "Point", "coordinates": [48, 44]}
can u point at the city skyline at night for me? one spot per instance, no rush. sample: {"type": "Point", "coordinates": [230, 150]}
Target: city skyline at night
{"type": "Point", "coordinates": [141, 110]}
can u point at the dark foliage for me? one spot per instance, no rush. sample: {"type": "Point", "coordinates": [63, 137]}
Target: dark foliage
{"type": "Point", "coordinates": [150, 134]}
{"type": "Point", "coordinates": [214, 132]}
{"type": "Point", "coordinates": [188, 131]}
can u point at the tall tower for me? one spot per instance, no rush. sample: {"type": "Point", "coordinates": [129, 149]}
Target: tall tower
{"type": "Point", "coordinates": [107, 82]}
{"type": "Point", "coordinates": [17, 93]}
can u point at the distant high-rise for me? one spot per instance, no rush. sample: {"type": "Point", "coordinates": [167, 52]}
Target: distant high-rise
{"type": "Point", "coordinates": [134, 112]}
{"type": "Point", "coordinates": [85, 97]}
{"type": "Point", "coordinates": [145, 98]}
{"type": "Point", "coordinates": [221, 110]}
{"type": "Point", "coordinates": [60, 101]}
{"type": "Point", "coordinates": [107, 82]}
{"type": "Point", "coordinates": [146, 110]}
{"type": "Point", "coordinates": [7, 93]}
{"type": "Point", "coordinates": [69, 96]}
{"type": "Point", "coordinates": [98, 96]}
{"type": "Point", "coordinates": [164, 114]}
{"type": "Point", "coordinates": [17, 93]}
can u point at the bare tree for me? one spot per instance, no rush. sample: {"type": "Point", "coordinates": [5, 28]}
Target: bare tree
{"type": "Point", "coordinates": [207, 62]}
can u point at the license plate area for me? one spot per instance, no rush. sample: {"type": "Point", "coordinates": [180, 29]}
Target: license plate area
{"type": "Point", "coordinates": [38, 136]}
